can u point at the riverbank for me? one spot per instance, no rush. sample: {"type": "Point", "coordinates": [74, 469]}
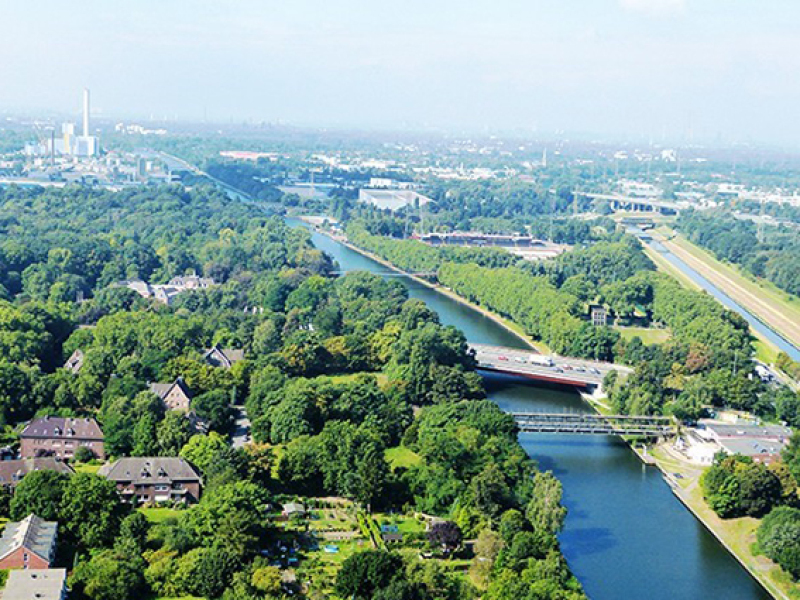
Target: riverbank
{"type": "Point", "coordinates": [736, 535]}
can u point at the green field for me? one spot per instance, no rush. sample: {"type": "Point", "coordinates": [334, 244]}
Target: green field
{"type": "Point", "coordinates": [159, 515]}
{"type": "Point", "coordinates": [646, 334]}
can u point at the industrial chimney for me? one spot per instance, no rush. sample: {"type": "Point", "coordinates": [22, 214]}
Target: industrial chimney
{"type": "Point", "coordinates": [85, 112]}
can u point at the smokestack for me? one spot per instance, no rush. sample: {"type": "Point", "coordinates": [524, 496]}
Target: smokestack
{"type": "Point", "coordinates": [85, 112]}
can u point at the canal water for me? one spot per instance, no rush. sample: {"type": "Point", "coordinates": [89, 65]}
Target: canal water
{"type": "Point", "coordinates": [626, 535]}
{"type": "Point", "coordinates": [728, 302]}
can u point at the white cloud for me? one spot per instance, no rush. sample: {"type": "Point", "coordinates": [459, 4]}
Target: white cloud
{"type": "Point", "coordinates": [654, 7]}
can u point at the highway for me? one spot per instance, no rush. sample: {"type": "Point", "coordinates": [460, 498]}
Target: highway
{"type": "Point", "coordinates": [568, 371]}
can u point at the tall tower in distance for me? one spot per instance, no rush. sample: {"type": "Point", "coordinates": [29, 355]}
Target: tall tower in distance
{"type": "Point", "coordinates": [85, 112]}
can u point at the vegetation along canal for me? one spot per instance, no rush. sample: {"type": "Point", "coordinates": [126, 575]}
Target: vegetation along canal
{"type": "Point", "coordinates": [626, 535]}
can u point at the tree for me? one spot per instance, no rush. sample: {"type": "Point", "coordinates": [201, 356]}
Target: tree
{"type": "Point", "coordinates": [545, 510]}
{"type": "Point", "coordinates": [213, 572]}
{"type": "Point", "coordinates": [511, 523]}
{"type": "Point", "coordinates": [173, 433]}
{"type": "Point", "coordinates": [446, 535]}
{"type": "Point", "coordinates": [40, 493]}
{"type": "Point", "coordinates": [491, 491]}
{"type": "Point", "coordinates": [201, 449]}
{"type": "Point", "coordinates": [364, 573]}
{"type": "Point", "coordinates": [779, 538]}
{"type": "Point", "coordinates": [91, 511]}
{"type": "Point", "coordinates": [267, 580]}
{"type": "Point", "coordinates": [109, 576]}
{"type": "Point", "coordinates": [791, 455]}
{"type": "Point", "coordinates": [84, 455]}
{"type": "Point", "coordinates": [133, 534]}
{"type": "Point", "coordinates": [214, 408]}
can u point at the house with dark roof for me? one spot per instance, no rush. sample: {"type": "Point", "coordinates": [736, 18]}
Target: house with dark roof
{"type": "Point", "coordinates": [154, 479]}
{"type": "Point", "coordinates": [74, 363]}
{"type": "Point", "coordinates": [175, 395]}
{"type": "Point", "coordinates": [12, 471]}
{"type": "Point", "coordinates": [28, 544]}
{"type": "Point", "coordinates": [61, 437]}
{"type": "Point", "coordinates": [222, 357]}
{"type": "Point", "coordinates": [39, 584]}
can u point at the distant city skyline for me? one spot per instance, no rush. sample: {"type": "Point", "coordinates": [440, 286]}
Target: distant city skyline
{"type": "Point", "coordinates": [681, 69]}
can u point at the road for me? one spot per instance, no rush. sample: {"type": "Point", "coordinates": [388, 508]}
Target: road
{"type": "Point", "coordinates": [569, 370]}
{"type": "Point", "coordinates": [241, 428]}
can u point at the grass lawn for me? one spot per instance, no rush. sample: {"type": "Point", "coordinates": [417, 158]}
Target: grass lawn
{"type": "Point", "coordinates": [159, 515]}
{"type": "Point", "coordinates": [765, 352]}
{"type": "Point", "coordinates": [647, 335]}
{"type": "Point", "coordinates": [400, 456]}
{"type": "Point", "coordinates": [85, 468]}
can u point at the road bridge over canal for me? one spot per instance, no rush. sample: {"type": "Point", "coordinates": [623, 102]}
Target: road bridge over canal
{"type": "Point", "coordinates": [594, 424]}
{"type": "Point", "coordinates": [583, 374]}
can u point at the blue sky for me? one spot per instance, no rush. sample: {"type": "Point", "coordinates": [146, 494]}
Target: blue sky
{"type": "Point", "coordinates": [715, 69]}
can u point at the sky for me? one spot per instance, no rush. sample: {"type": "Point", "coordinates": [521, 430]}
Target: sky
{"type": "Point", "coordinates": [723, 70]}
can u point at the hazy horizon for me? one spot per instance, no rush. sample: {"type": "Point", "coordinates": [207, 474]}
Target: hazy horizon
{"type": "Point", "coordinates": [690, 69]}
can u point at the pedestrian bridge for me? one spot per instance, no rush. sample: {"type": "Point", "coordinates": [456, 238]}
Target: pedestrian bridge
{"type": "Point", "coordinates": [583, 374]}
{"type": "Point", "coordinates": [594, 424]}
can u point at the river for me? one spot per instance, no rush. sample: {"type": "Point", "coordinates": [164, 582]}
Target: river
{"type": "Point", "coordinates": [626, 536]}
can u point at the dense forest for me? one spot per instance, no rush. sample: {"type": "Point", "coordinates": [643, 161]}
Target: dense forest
{"type": "Point", "coordinates": [341, 375]}
{"type": "Point", "coordinates": [772, 254]}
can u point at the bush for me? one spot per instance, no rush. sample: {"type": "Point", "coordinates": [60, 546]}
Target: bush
{"type": "Point", "coordinates": [779, 538]}
{"type": "Point", "coordinates": [84, 455]}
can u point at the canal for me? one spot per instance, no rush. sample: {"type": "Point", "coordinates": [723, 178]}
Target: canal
{"type": "Point", "coordinates": [626, 535]}
{"type": "Point", "coordinates": [755, 323]}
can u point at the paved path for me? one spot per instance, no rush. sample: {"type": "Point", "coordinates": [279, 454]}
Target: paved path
{"type": "Point", "coordinates": [241, 428]}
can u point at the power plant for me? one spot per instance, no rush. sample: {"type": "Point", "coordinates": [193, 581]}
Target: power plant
{"type": "Point", "coordinates": [69, 144]}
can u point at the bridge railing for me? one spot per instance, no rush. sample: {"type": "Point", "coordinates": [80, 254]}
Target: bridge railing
{"type": "Point", "coordinates": [590, 423]}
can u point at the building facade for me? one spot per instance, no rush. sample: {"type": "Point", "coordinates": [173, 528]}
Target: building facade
{"type": "Point", "coordinates": [143, 480]}
{"type": "Point", "coordinates": [28, 544]}
{"type": "Point", "coordinates": [12, 471]}
{"type": "Point", "coordinates": [61, 437]}
{"type": "Point", "coordinates": [175, 396]}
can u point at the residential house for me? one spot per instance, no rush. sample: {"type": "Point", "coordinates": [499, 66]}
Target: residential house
{"type": "Point", "coordinates": [599, 315]}
{"type": "Point", "coordinates": [28, 544]}
{"type": "Point", "coordinates": [165, 293]}
{"type": "Point", "coordinates": [41, 584]}
{"type": "Point", "coordinates": [74, 363]}
{"type": "Point", "coordinates": [222, 357]}
{"type": "Point", "coordinates": [175, 395]}
{"type": "Point", "coordinates": [12, 471]}
{"type": "Point", "coordinates": [154, 479]}
{"type": "Point", "coordinates": [61, 437]}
